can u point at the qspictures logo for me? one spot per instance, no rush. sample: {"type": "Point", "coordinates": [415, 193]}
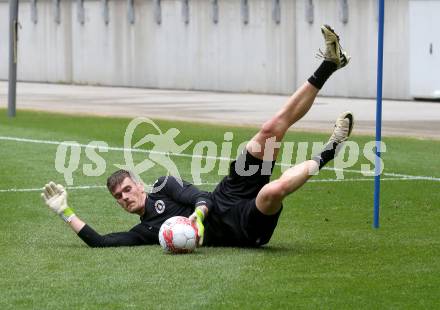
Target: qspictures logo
{"type": "Point", "coordinates": [206, 157]}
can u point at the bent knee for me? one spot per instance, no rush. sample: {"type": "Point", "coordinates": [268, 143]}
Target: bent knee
{"type": "Point", "coordinates": [273, 128]}
{"type": "Point", "coordinates": [269, 199]}
{"type": "Point", "coordinates": [276, 190]}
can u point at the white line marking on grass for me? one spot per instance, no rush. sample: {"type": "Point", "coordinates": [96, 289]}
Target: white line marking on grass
{"type": "Point", "coordinates": [121, 149]}
{"type": "Point", "coordinates": [110, 148]}
{"type": "Point", "coordinates": [81, 187]}
{"type": "Point", "coordinates": [389, 174]}
{"type": "Point", "coordinates": [14, 190]}
{"type": "Point", "coordinates": [358, 180]}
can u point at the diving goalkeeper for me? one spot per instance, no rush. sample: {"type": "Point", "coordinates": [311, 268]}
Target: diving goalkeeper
{"type": "Point", "coordinates": [244, 208]}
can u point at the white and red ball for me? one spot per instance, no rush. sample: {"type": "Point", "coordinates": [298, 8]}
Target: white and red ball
{"type": "Point", "coordinates": [178, 235]}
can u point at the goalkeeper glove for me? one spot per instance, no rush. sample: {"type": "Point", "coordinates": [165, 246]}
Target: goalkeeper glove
{"type": "Point", "coordinates": [55, 197]}
{"type": "Point", "coordinates": [197, 217]}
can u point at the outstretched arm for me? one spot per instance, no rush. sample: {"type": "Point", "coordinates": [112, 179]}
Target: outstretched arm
{"type": "Point", "coordinates": [138, 235]}
{"type": "Point", "coordinates": [55, 197]}
{"type": "Point", "coordinates": [76, 224]}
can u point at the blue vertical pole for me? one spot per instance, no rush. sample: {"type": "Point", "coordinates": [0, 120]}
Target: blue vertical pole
{"type": "Point", "coordinates": [378, 113]}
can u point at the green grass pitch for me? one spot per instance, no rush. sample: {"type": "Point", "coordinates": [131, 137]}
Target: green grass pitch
{"type": "Point", "coordinates": [324, 253]}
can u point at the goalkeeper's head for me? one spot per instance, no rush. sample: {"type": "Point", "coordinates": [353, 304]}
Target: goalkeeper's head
{"type": "Point", "coordinates": [128, 191]}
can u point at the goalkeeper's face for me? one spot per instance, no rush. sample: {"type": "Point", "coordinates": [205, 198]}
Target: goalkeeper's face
{"type": "Point", "coordinates": [131, 196]}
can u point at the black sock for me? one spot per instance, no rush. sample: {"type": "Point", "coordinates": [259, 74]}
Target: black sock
{"type": "Point", "coordinates": [327, 154]}
{"type": "Point", "coordinates": [322, 74]}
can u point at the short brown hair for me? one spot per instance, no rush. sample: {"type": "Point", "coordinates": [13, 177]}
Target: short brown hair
{"type": "Point", "coordinates": [118, 177]}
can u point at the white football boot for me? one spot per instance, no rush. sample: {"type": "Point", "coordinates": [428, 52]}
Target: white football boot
{"type": "Point", "coordinates": [333, 51]}
{"type": "Point", "coordinates": [343, 126]}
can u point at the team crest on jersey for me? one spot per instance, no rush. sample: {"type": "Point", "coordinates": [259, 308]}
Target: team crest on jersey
{"type": "Point", "coordinates": [159, 206]}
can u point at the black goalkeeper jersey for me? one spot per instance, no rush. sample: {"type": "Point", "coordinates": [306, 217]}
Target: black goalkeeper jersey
{"type": "Point", "coordinates": [171, 200]}
{"type": "Point", "coordinates": [233, 218]}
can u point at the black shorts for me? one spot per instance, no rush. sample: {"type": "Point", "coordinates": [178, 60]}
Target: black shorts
{"type": "Point", "coordinates": [235, 218]}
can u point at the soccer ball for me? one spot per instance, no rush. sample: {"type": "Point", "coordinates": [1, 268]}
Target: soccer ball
{"type": "Point", "coordinates": [178, 235]}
